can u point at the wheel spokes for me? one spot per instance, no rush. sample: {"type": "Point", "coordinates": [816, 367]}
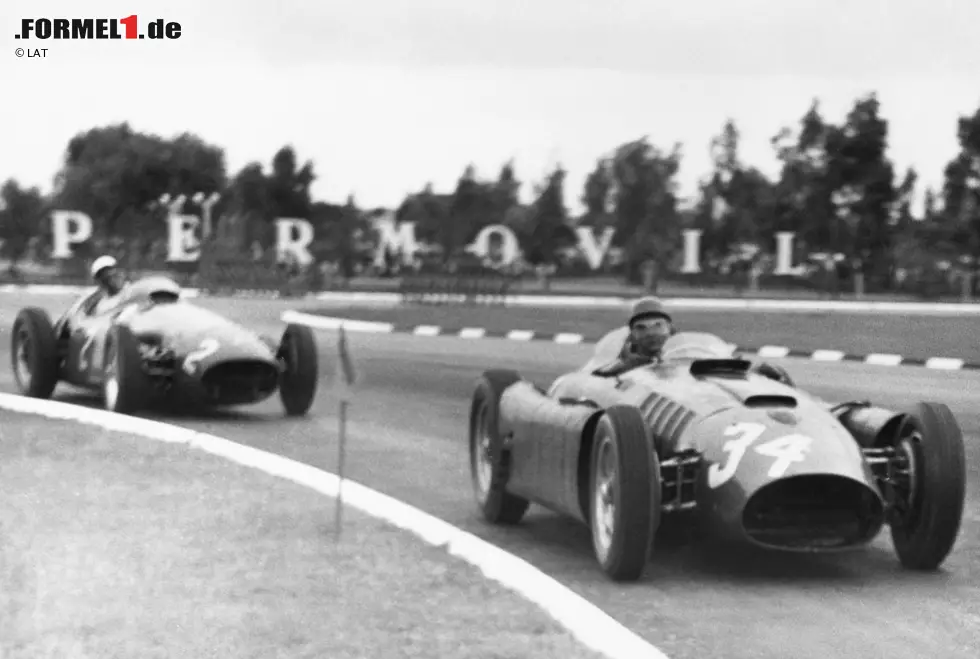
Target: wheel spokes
{"type": "Point", "coordinates": [483, 453]}
{"type": "Point", "coordinates": [24, 351]}
{"type": "Point", "coordinates": [604, 497]}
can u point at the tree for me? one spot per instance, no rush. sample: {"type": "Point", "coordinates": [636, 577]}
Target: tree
{"type": "Point", "coordinates": [289, 185]}
{"type": "Point", "coordinates": [863, 180]}
{"type": "Point", "coordinates": [115, 175]}
{"type": "Point", "coordinates": [21, 214]}
{"type": "Point", "coordinates": [961, 186]}
{"type": "Point", "coordinates": [547, 230]}
{"type": "Point", "coordinates": [645, 204]}
{"type": "Point", "coordinates": [472, 208]}
{"type": "Point", "coordinates": [596, 196]}
{"type": "Point", "coordinates": [737, 204]}
{"type": "Point", "coordinates": [507, 189]}
{"type": "Point", "coordinates": [254, 199]}
{"type": "Point", "coordinates": [802, 197]}
{"type": "Point", "coordinates": [245, 208]}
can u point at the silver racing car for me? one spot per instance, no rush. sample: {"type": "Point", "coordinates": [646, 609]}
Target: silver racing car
{"type": "Point", "coordinates": [152, 345]}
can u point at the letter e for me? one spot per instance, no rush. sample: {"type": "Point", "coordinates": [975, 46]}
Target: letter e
{"type": "Point", "coordinates": [182, 244]}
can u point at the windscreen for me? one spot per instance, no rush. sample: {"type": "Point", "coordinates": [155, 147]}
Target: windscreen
{"type": "Point", "coordinates": [156, 288]}
{"type": "Point", "coordinates": [697, 345]}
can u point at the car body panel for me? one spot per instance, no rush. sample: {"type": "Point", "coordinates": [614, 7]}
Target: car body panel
{"type": "Point", "coordinates": [747, 430]}
{"type": "Point", "coordinates": [198, 338]}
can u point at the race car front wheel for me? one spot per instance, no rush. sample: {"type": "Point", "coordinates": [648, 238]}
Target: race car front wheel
{"type": "Point", "coordinates": [625, 493]}
{"type": "Point", "coordinates": [34, 353]}
{"type": "Point", "coordinates": [124, 383]}
{"type": "Point", "coordinates": [931, 486]}
{"type": "Point", "coordinates": [298, 383]}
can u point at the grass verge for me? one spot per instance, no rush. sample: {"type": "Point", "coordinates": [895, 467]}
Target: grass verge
{"type": "Point", "coordinates": [113, 546]}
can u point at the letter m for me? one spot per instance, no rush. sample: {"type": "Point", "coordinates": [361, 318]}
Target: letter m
{"type": "Point", "coordinates": [399, 239]}
{"type": "Point", "coordinates": [82, 28]}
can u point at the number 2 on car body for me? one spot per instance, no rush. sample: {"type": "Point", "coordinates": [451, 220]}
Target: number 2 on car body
{"type": "Point", "coordinates": [207, 348]}
{"type": "Point", "coordinates": [84, 353]}
{"type": "Point", "coordinates": [785, 450]}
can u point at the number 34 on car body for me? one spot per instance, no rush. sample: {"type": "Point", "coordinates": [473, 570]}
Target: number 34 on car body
{"type": "Point", "coordinates": [785, 450]}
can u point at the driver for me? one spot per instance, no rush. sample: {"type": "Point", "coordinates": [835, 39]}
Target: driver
{"type": "Point", "coordinates": [110, 280]}
{"type": "Point", "coordinates": [650, 326]}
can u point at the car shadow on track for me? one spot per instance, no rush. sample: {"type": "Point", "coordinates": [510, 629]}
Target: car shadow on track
{"type": "Point", "coordinates": [165, 412]}
{"type": "Point", "coordinates": [684, 558]}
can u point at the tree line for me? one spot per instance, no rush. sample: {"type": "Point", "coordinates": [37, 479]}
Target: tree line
{"type": "Point", "coordinates": [836, 188]}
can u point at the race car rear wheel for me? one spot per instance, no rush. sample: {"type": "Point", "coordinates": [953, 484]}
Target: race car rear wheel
{"type": "Point", "coordinates": [488, 460]}
{"type": "Point", "coordinates": [298, 383]}
{"type": "Point", "coordinates": [125, 386]}
{"type": "Point", "coordinates": [34, 353]}
{"type": "Point", "coordinates": [625, 493]}
{"type": "Point", "coordinates": [931, 484]}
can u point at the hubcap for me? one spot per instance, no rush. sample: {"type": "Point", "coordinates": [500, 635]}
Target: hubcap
{"type": "Point", "coordinates": [604, 494]}
{"type": "Point", "coordinates": [111, 386]}
{"type": "Point", "coordinates": [483, 463]}
{"type": "Point", "coordinates": [22, 366]}
{"type": "Point", "coordinates": [906, 447]}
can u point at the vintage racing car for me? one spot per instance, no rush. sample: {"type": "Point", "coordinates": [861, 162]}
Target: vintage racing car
{"type": "Point", "coordinates": [152, 345]}
{"type": "Point", "coordinates": [712, 441]}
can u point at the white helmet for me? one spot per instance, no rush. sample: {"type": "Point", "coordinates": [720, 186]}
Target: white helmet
{"type": "Point", "coordinates": [101, 264]}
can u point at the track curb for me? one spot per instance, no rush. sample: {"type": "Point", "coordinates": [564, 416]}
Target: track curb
{"type": "Point", "coordinates": [469, 333]}
{"type": "Point", "coordinates": [584, 621]}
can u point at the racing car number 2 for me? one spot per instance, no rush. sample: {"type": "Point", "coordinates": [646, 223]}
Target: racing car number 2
{"type": "Point", "coordinates": [207, 348]}
{"type": "Point", "coordinates": [785, 450]}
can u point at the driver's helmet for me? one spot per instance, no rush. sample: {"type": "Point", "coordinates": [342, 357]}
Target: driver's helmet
{"type": "Point", "coordinates": [105, 271]}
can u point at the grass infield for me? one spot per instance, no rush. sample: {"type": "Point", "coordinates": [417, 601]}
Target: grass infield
{"type": "Point", "coordinates": [113, 546]}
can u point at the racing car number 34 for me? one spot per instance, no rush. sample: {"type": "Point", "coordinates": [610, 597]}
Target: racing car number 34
{"type": "Point", "coordinates": [785, 450]}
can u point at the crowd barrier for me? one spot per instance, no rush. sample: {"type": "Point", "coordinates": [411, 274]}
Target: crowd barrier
{"type": "Point", "coordinates": [228, 276]}
{"type": "Point", "coordinates": [455, 289]}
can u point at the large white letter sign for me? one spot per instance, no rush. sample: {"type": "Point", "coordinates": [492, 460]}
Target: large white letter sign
{"type": "Point", "coordinates": [784, 254]}
{"type": "Point", "coordinates": [294, 236]}
{"type": "Point", "coordinates": [207, 205]}
{"type": "Point", "coordinates": [595, 251]}
{"type": "Point", "coordinates": [68, 228]}
{"type": "Point", "coordinates": [400, 239]}
{"type": "Point", "coordinates": [481, 244]}
{"type": "Point", "coordinates": [182, 244]}
{"type": "Point", "coordinates": [692, 252]}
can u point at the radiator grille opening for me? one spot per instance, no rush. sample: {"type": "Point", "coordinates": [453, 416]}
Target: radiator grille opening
{"type": "Point", "coordinates": [240, 381]}
{"type": "Point", "coordinates": [813, 512]}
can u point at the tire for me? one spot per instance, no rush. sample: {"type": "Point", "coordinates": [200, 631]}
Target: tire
{"type": "Point", "coordinates": [298, 383]}
{"type": "Point", "coordinates": [125, 386]}
{"type": "Point", "coordinates": [924, 536]}
{"type": "Point", "coordinates": [488, 461]}
{"type": "Point", "coordinates": [34, 353]}
{"type": "Point", "coordinates": [622, 538]}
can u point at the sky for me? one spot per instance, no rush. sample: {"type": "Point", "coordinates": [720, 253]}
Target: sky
{"type": "Point", "coordinates": [387, 95]}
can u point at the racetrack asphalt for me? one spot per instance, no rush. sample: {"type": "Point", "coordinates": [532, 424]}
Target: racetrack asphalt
{"type": "Point", "coordinates": [916, 336]}
{"type": "Point", "coordinates": [407, 438]}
